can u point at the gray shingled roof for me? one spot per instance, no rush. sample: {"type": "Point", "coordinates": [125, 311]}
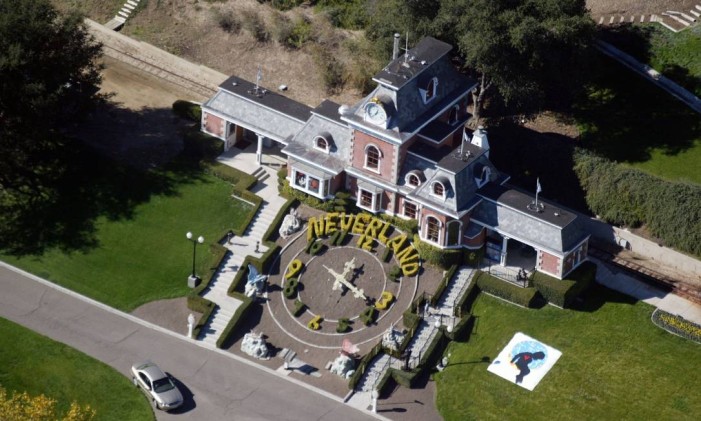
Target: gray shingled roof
{"type": "Point", "coordinates": [301, 146]}
{"type": "Point", "coordinates": [504, 210]}
{"type": "Point", "coordinates": [404, 103]}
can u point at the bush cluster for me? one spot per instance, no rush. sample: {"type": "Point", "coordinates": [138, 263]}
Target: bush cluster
{"type": "Point", "coordinates": [368, 315]}
{"type": "Point", "coordinates": [188, 110]}
{"type": "Point", "coordinates": [436, 256]}
{"type": "Point", "coordinates": [564, 292]}
{"type": "Point", "coordinates": [626, 196]}
{"type": "Point", "coordinates": [290, 289]}
{"type": "Point", "coordinates": [395, 272]}
{"type": "Point", "coordinates": [343, 325]}
{"type": "Point", "coordinates": [526, 297]}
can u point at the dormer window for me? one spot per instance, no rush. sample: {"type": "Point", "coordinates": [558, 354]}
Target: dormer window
{"type": "Point", "coordinates": [413, 180]}
{"type": "Point", "coordinates": [438, 189]}
{"type": "Point", "coordinates": [429, 91]}
{"type": "Point", "coordinates": [454, 113]}
{"type": "Point", "coordinates": [321, 144]}
{"type": "Point", "coordinates": [486, 172]}
{"type": "Point", "coordinates": [372, 158]}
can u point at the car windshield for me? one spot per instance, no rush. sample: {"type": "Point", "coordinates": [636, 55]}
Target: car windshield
{"type": "Point", "coordinates": [162, 385]}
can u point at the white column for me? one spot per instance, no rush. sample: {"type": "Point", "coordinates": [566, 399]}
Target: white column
{"type": "Point", "coordinates": [504, 246]}
{"type": "Point", "coordinates": [259, 151]}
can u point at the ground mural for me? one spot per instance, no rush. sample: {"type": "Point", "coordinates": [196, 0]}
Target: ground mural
{"type": "Point", "coordinates": [524, 361]}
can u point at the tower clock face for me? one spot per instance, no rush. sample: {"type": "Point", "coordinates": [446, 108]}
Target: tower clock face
{"type": "Point", "coordinates": [375, 113]}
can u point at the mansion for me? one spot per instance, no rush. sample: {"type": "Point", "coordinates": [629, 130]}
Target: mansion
{"type": "Point", "coordinates": [405, 150]}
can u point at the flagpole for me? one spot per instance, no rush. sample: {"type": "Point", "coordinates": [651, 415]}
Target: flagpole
{"type": "Point", "coordinates": [537, 190]}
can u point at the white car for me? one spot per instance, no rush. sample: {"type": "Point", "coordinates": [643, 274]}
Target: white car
{"type": "Point", "coordinates": [158, 385]}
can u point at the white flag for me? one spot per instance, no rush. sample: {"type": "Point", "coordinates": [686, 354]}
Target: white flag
{"type": "Point", "coordinates": [537, 187]}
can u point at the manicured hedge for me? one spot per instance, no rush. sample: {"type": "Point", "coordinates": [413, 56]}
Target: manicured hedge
{"type": "Point", "coordinates": [527, 297]}
{"type": "Point", "coordinates": [436, 256]}
{"type": "Point", "coordinates": [238, 316]}
{"type": "Point", "coordinates": [622, 195]}
{"type": "Point", "coordinates": [563, 293]}
{"type": "Point", "coordinates": [298, 308]}
{"type": "Point", "coordinates": [462, 329]}
{"type": "Point", "coordinates": [239, 179]}
{"type": "Point", "coordinates": [189, 110]}
{"type": "Point", "coordinates": [465, 302]}
{"type": "Point", "coordinates": [197, 303]}
{"type": "Point", "coordinates": [200, 305]}
{"type": "Point", "coordinates": [368, 315]}
{"type": "Point", "coordinates": [343, 325]}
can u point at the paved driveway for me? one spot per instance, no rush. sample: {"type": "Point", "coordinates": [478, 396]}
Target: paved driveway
{"type": "Point", "coordinates": [216, 386]}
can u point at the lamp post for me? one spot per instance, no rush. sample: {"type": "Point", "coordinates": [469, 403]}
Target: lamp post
{"type": "Point", "coordinates": [192, 280]}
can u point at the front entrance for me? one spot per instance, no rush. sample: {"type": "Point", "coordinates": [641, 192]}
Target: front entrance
{"type": "Point", "coordinates": [507, 258]}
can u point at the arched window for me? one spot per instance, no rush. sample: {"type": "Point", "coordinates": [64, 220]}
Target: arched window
{"type": "Point", "coordinates": [486, 172]}
{"type": "Point", "coordinates": [453, 232]}
{"type": "Point", "coordinates": [413, 180]}
{"type": "Point", "coordinates": [431, 89]}
{"type": "Point", "coordinates": [433, 228]}
{"type": "Point", "coordinates": [438, 189]}
{"type": "Point", "coordinates": [454, 113]}
{"type": "Point", "coordinates": [322, 144]}
{"type": "Point", "coordinates": [372, 158]}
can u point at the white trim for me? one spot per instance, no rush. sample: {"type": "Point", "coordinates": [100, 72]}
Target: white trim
{"type": "Point", "coordinates": [293, 183]}
{"type": "Point", "coordinates": [379, 158]}
{"type": "Point", "coordinates": [373, 204]}
{"type": "Point", "coordinates": [424, 92]}
{"type": "Point", "coordinates": [416, 210]}
{"type": "Point", "coordinates": [460, 233]}
{"type": "Point", "coordinates": [389, 187]}
{"type": "Point", "coordinates": [433, 189]}
{"type": "Point", "coordinates": [424, 231]}
{"type": "Point", "coordinates": [326, 141]}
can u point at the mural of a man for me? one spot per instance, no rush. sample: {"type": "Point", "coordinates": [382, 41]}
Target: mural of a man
{"type": "Point", "coordinates": [522, 360]}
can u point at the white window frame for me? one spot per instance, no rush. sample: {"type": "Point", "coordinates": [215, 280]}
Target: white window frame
{"type": "Point", "coordinates": [326, 142]}
{"type": "Point", "coordinates": [379, 158]}
{"type": "Point", "coordinates": [484, 178]}
{"type": "Point", "coordinates": [433, 189]}
{"type": "Point", "coordinates": [424, 91]}
{"type": "Point", "coordinates": [454, 111]}
{"type": "Point", "coordinates": [416, 209]}
{"type": "Point", "coordinates": [373, 204]}
{"type": "Point", "coordinates": [322, 183]}
{"type": "Point", "coordinates": [425, 230]}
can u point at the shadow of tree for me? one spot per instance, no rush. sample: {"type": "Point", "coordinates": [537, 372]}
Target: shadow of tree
{"type": "Point", "coordinates": [99, 173]}
{"type": "Point", "coordinates": [526, 155]}
{"type": "Point", "coordinates": [625, 117]}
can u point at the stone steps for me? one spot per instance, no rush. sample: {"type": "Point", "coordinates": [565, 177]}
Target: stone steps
{"type": "Point", "coordinates": [216, 324]}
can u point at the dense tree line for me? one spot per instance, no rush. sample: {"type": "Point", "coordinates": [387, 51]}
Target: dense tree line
{"type": "Point", "coordinates": [625, 196]}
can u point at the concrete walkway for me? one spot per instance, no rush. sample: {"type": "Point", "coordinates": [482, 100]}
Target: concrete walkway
{"type": "Point", "coordinates": [241, 246]}
{"type": "Point", "coordinates": [623, 282]}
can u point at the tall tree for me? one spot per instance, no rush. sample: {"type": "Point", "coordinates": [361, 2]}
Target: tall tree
{"type": "Point", "coordinates": [49, 77]}
{"type": "Point", "coordinates": [530, 52]}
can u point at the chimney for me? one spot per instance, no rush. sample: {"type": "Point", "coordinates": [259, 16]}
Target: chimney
{"type": "Point", "coordinates": [395, 50]}
{"type": "Point", "coordinates": [479, 138]}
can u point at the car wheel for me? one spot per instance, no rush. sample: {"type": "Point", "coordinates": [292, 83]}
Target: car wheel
{"type": "Point", "coordinates": [155, 404]}
{"type": "Point", "coordinates": [136, 382]}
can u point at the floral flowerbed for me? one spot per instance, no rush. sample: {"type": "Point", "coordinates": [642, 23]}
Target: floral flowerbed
{"type": "Point", "coordinates": [677, 325]}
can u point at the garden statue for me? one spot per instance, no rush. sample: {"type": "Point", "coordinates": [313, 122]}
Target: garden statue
{"type": "Point", "coordinates": [343, 366]}
{"type": "Point", "coordinates": [255, 283]}
{"type": "Point", "coordinates": [392, 339]}
{"type": "Point", "coordinates": [254, 345]}
{"type": "Point", "coordinates": [290, 224]}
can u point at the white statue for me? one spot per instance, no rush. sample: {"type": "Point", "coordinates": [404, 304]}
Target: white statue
{"type": "Point", "coordinates": [343, 366]}
{"type": "Point", "coordinates": [392, 339]}
{"type": "Point", "coordinates": [254, 345]}
{"type": "Point", "coordinates": [255, 283]}
{"type": "Point", "coordinates": [290, 224]}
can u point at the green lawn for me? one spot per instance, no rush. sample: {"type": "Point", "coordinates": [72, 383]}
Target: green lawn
{"type": "Point", "coordinates": [145, 256]}
{"type": "Point", "coordinates": [38, 365]}
{"type": "Point", "coordinates": [615, 364]}
{"type": "Point", "coordinates": [678, 56]}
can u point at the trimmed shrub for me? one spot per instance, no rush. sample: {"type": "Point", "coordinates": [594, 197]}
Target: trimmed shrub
{"type": "Point", "coordinates": [436, 256]}
{"type": "Point", "coordinates": [395, 272]}
{"type": "Point", "coordinates": [299, 308]}
{"type": "Point", "coordinates": [188, 110]}
{"type": "Point", "coordinates": [623, 195]}
{"type": "Point", "coordinates": [315, 322]}
{"type": "Point", "coordinates": [239, 179]}
{"type": "Point", "coordinates": [246, 303]}
{"type": "Point", "coordinates": [462, 329]}
{"type": "Point", "coordinates": [562, 293]}
{"type": "Point", "coordinates": [527, 297]}
{"type": "Point", "coordinates": [290, 289]}
{"type": "Point", "coordinates": [314, 247]}
{"type": "Point", "coordinates": [386, 254]}
{"type": "Point", "coordinates": [410, 319]}
{"type": "Point", "coordinates": [200, 305]}
{"type": "Point", "coordinates": [342, 238]}
{"type": "Point", "coordinates": [334, 237]}
{"type": "Point", "coordinates": [343, 325]}
{"type": "Point", "coordinates": [368, 315]}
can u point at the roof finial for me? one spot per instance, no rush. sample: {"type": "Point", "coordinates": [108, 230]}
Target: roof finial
{"type": "Point", "coordinates": [259, 77]}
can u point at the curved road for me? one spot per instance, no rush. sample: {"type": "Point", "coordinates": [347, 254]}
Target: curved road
{"type": "Point", "coordinates": [216, 385]}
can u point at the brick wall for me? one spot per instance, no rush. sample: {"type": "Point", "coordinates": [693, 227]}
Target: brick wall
{"type": "Point", "coordinates": [548, 263]}
{"type": "Point", "coordinates": [387, 153]}
{"type": "Point", "coordinates": [213, 125]}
